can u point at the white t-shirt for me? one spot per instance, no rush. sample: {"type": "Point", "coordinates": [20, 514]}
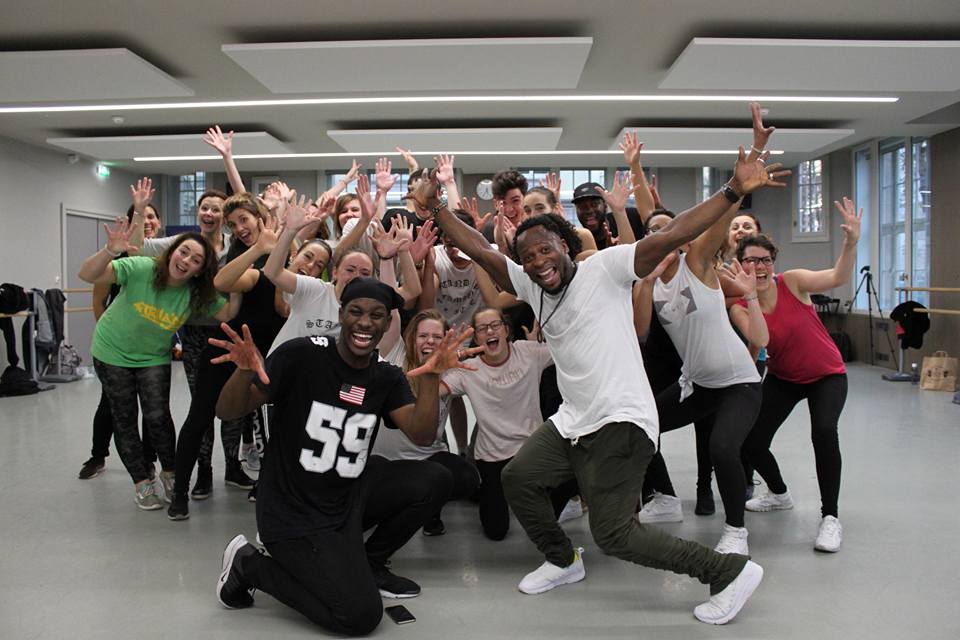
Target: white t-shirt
{"type": "Point", "coordinates": [505, 398]}
{"type": "Point", "coordinates": [594, 345]}
{"type": "Point", "coordinates": [314, 311]}
{"type": "Point", "coordinates": [153, 247]}
{"type": "Point", "coordinates": [695, 317]}
{"type": "Point", "coordinates": [459, 294]}
{"type": "Point", "coordinates": [366, 242]}
{"type": "Point", "coordinates": [393, 444]}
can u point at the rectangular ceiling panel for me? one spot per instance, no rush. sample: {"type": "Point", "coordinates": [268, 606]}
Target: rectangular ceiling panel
{"type": "Point", "coordinates": [126, 147]}
{"type": "Point", "coordinates": [724, 139]}
{"type": "Point", "coordinates": [82, 74]}
{"type": "Point", "coordinates": [448, 140]}
{"type": "Point", "coordinates": [816, 65]}
{"type": "Point", "coordinates": [387, 65]}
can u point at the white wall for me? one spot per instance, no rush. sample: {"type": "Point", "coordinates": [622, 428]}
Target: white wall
{"type": "Point", "coordinates": [34, 182]}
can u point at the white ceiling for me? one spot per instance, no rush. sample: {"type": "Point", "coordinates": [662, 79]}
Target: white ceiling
{"type": "Point", "coordinates": [448, 140]}
{"type": "Point", "coordinates": [636, 49]}
{"type": "Point", "coordinates": [126, 147]}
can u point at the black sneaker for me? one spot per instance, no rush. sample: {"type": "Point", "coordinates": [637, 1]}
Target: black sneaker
{"type": "Point", "coordinates": [393, 586]}
{"type": "Point", "coordinates": [203, 487]}
{"type": "Point", "coordinates": [252, 496]}
{"type": "Point", "coordinates": [233, 590]}
{"type": "Point", "coordinates": [434, 527]}
{"type": "Point", "coordinates": [235, 477]}
{"type": "Point", "coordinates": [705, 505]}
{"type": "Point", "coordinates": [92, 468]}
{"type": "Point", "coordinates": [178, 509]}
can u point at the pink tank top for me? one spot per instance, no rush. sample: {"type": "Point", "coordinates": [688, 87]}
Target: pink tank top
{"type": "Point", "coordinates": [800, 349]}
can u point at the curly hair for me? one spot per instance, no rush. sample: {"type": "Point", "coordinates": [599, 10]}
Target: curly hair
{"type": "Point", "coordinates": [760, 240]}
{"type": "Point", "coordinates": [554, 223]}
{"type": "Point", "coordinates": [504, 181]}
{"type": "Point", "coordinates": [202, 292]}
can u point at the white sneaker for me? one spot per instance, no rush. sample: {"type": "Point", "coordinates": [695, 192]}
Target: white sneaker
{"type": "Point", "coordinates": [662, 508]}
{"type": "Point", "coordinates": [770, 502]}
{"type": "Point", "coordinates": [733, 540]}
{"type": "Point", "coordinates": [830, 535]}
{"type": "Point", "coordinates": [167, 481]}
{"type": "Point", "coordinates": [572, 511]}
{"type": "Point", "coordinates": [724, 606]}
{"type": "Point", "coordinates": [550, 576]}
{"type": "Point", "coordinates": [250, 456]}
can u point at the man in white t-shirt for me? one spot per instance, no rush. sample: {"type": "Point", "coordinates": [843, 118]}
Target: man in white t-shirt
{"type": "Point", "coordinates": [605, 431]}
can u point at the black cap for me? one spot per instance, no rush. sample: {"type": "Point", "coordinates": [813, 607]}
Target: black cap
{"type": "Point", "coordinates": [371, 288]}
{"type": "Point", "coordinates": [587, 190]}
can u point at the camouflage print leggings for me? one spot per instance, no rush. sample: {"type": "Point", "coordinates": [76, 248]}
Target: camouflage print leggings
{"type": "Point", "coordinates": [123, 386]}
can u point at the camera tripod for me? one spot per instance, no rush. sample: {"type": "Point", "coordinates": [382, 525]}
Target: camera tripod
{"type": "Point", "coordinates": [866, 278]}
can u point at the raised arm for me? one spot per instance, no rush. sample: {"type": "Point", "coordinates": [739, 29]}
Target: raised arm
{"type": "Point", "coordinates": [141, 194]}
{"type": "Point", "coordinates": [97, 268]}
{"type": "Point", "coordinates": [616, 199]}
{"type": "Point", "coordinates": [805, 282]}
{"type": "Point", "coordinates": [240, 396]}
{"type": "Point", "coordinates": [366, 216]}
{"type": "Point", "coordinates": [296, 219]}
{"type": "Point", "coordinates": [343, 182]}
{"type": "Point", "coordinates": [631, 147]}
{"type": "Point", "coordinates": [407, 156]}
{"type": "Point", "coordinates": [237, 276]}
{"type": "Point", "coordinates": [447, 177]}
{"type": "Point", "coordinates": [465, 237]}
{"type": "Point", "coordinates": [224, 144]}
{"type": "Point", "coordinates": [749, 321]}
{"type": "Point", "coordinates": [749, 175]}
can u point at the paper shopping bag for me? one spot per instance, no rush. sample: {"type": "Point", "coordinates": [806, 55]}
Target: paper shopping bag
{"type": "Point", "coordinates": [939, 372]}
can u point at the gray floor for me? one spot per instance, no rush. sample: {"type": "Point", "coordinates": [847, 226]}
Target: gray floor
{"type": "Point", "coordinates": [81, 561]}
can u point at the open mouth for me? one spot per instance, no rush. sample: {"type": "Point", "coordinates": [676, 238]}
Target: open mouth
{"type": "Point", "coordinates": [245, 237]}
{"type": "Point", "coordinates": [180, 269]}
{"type": "Point", "coordinates": [207, 220]}
{"type": "Point", "coordinates": [361, 340]}
{"type": "Point", "coordinates": [426, 352]}
{"type": "Point", "coordinates": [549, 277]}
{"type": "Point", "coordinates": [492, 344]}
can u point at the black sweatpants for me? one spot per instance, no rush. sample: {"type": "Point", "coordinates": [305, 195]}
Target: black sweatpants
{"type": "Point", "coordinates": [494, 510]}
{"type": "Point", "coordinates": [124, 386]}
{"type": "Point", "coordinates": [727, 415]}
{"type": "Point", "coordinates": [328, 576]}
{"type": "Point", "coordinates": [210, 381]}
{"type": "Point", "coordinates": [825, 398]}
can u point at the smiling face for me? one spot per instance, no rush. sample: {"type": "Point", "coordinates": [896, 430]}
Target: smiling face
{"type": "Point", "coordinates": [186, 261]}
{"type": "Point", "coordinates": [762, 262]}
{"type": "Point", "coordinates": [591, 212]}
{"type": "Point", "coordinates": [352, 266]}
{"type": "Point", "coordinates": [535, 204]}
{"type": "Point", "coordinates": [544, 257]}
{"type": "Point", "coordinates": [151, 223]}
{"type": "Point", "coordinates": [363, 322]}
{"type": "Point", "coordinates": [490, 332]}
{"type": "Point", "coordinates": [210, 214]}
{"type": "Point", "coordinates": [742, 227]}
{"type": "Point", "coordinates": [310, 260]}
{"type": "Point", "coordinates": [513, 205]}
{"type": "Point", "coordinates": [243, 225]}
{"type": "Point", "coordinates": [349, 210]}
{"type": "Point", "coordinates": [428, 335]}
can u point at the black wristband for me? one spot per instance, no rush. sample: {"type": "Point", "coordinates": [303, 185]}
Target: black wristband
{"type": "Point", "coordinates": [729, 193]}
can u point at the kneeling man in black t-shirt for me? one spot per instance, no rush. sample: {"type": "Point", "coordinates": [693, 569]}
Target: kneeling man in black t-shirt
{"type": "Point", "coordinates": [319, 490]}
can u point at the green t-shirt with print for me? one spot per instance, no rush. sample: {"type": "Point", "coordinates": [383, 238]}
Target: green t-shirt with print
{"type": "Point", "coordinates": [136, 328]}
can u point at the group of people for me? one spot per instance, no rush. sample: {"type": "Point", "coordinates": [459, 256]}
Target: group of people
{"type": "Point", "coordinates": [345, 336]}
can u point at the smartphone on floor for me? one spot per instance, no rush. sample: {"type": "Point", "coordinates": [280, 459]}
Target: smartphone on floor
{"type": "Point", "coordinates": [399, 614]}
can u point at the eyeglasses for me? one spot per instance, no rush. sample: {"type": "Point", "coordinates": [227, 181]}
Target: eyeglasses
{"type": "Point", "coordinates": [767, 260]}
{"type": "Point", "coordinates": [489, 327]}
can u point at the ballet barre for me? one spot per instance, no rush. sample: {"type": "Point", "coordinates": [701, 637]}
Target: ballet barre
{"type": "Point", "coordinates": [945, 311]}
{"type": "Point", "coordinates": [933, 289]}
{"type": "Point", "coordinates": [78, 309]}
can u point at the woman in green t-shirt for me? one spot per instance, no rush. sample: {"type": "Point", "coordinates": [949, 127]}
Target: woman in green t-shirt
{"type": "Point", "coordinates": [131, 342]}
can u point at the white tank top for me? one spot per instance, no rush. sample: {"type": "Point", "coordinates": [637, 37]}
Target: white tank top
{"type": "Point", "coordinates": [695, 318]}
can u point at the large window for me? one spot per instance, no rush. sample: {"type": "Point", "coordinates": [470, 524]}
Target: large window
{"type": "Point", "coordinates": [394, 196]}
{"type": "Point", "coordinates": [192, 187]}
{"type": "Point", "coordinates": [893, 187]}
{"type": "Point", "coordinates": [811, 222]}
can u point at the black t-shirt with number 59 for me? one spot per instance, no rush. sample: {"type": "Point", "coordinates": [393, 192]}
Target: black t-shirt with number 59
{"type": "Point", "coordinates": [323, 426]}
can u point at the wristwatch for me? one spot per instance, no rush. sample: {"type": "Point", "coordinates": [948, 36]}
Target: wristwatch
{"type": "Point", "coordinates": [435, 210]}
{"type": "Point", "coordinates": [729, 193]}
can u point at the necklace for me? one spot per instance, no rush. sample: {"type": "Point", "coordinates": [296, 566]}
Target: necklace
{"type": "Point", "coordinates": [563, 294]}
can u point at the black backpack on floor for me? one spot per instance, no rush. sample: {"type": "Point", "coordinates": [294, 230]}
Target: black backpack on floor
{"type": "Point", "coordinates": [17, 382]}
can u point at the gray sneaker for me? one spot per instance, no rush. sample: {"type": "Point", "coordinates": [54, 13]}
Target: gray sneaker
{"type": "Point", "coordinates": [146, 496]}
{"type": "Point", "coordinates": [167, 480]}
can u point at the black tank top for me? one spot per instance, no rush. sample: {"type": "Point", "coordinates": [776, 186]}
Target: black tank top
{"type": "Point", "coordinates": [257, 311]}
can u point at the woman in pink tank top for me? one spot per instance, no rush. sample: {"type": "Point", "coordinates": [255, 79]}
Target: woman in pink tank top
{"type": "Point", "coordinates": [804, 363]}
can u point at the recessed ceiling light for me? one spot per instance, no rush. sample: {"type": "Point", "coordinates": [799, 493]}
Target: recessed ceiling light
{"type": "Point", "coordinates": [293, 102]}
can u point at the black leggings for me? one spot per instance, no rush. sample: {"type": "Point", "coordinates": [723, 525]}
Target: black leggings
{"type": "Point", "coordinates": [328, 576]}
{"type": "Point", "coordinates": [494, 511]}
{"type": "Point", "coordinates": [210, 381]}
{"type": "Point", "coordinates": [103, 431]}
{"type": "Point", "coordinates": [727, 415]}
{"type": "Point", "coordinates": [193, 339]}
{"type": "Point", "coordinates": [825, 398]}
{"type": "Point", "coordinates": [463, 476]}
{"type": "Point", "coordinates": [123, 387]}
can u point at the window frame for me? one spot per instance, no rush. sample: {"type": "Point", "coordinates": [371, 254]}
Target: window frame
{"type": "Point", "coordinates": [811, 236]}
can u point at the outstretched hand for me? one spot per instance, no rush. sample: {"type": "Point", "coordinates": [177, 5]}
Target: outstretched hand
{"type": "Point", "coordinates": [761, 134]}
{"type": "Point", "coordinates": [220, 142]}
{"type": "Point", "coordinates": [631, 147]}
{"type": "Point", "coordinates": [445, 173]}
{"type": "Point", "coordinates": [382, 176]}
{"type": "Point", "coordinates": [425, 191]}
{"type": "Point", "coordinates": [141, 194]}
{"type": "Point", "coordinates": [750, 175]}
{"type": "Point", "coordinates": [118, 236]}
{"type": "Point", "coordinates": [240, 351]}
{"type": "Point", "coordinates": [743, 276]}
{"type": "Point", "coordinates": [353, 173]}
{"type": "Point", "coordinates": [851, 219]}
{"type": "Point", "coordinates": [449, 354]}
{"type": "Point", "coordinates": [617, 197]}
{"type": "Point", "coordinates": [423, 245]}
{"type": "Point", "coordinates": [470, 206]}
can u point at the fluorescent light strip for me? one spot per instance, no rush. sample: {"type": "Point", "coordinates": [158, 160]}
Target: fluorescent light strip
{"type": "Point", "coordinates": [551, 152]}
{"type": "Point", "coordinates": [294, 102]}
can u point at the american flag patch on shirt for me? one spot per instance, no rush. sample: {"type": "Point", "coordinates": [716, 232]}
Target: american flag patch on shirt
{"type": "Point", "coordinates": [352, 394]}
